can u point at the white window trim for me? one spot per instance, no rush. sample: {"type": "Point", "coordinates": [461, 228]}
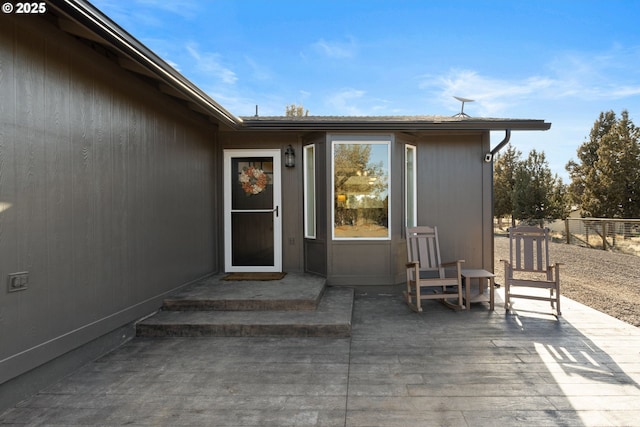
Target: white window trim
{"type": "Point", "coordinates": [360, 139]}
{"type": "Point", "coordinates": [310, 202]}
{"type": "Point", "coordinates": [414, 179]}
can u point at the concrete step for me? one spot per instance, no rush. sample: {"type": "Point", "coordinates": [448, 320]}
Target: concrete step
{"type": "Point", "coordinates": [294, 292]}
{"type": "Point", "coordinates": [331, 318]}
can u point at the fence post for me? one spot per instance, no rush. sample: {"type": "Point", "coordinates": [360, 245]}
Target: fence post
{"type": "Point", "coordinates": [566, 230]}
{"type": "Point", "coordinates": [604, 235]}
{"type": "Point", "coordinates": [587, 227]}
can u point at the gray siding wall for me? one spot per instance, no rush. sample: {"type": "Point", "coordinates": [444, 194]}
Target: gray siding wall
{"type": "Point", "coordinates": [454, 194]}
{"type": "Point", "coordinates": [106, 195]}
{"type": "Point", "coordinates": [369, 262]}
{"type": "Point", "coordinates": [315, 250]}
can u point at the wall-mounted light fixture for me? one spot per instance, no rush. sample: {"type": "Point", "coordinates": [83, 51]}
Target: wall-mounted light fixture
{"type": "Point", "coordinates": [289, 157]}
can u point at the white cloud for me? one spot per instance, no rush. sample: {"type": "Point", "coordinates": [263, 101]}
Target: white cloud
{"type": "Point", "coordinates": [344, 102]}
{"type": "Point", "coordinates": [209, 63]}
{"type": "Point", "coordinates": [258, 71]}
{"type": "Point", "coordinates": [492, 95]}
{"type": "Point", "coordinates": [572, 78]}
{"type": "Point", "coordinates": [336, 49]}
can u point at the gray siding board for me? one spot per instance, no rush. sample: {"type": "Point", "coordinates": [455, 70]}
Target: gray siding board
{"type": "Point", "coordinates": [111, 194]}
{"type": "Point", "coordinates": [315, 250]}
{"type": "Point", "coordinates": [453, 186]}
{"type": "Point", "coordinates": [450, 194]}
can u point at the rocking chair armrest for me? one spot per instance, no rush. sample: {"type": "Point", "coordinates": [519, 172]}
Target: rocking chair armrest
{"type": "Point", "coordinates": [412, 264]}
{"type": "Point", "coordinates": [556, 265]}
{"type": "Point", "coordinates": [452, 263]}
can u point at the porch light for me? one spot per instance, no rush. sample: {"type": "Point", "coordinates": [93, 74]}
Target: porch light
{"type": "Point", "coordinates": [289, 157]}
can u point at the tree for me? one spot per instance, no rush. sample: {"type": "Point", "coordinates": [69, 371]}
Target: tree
{"type": "Point", "coordinates": [526, 189]}
{"type": "Point", "coordinates": [537, 195]}
{"type": "Point", "coordinates": [360, 185]}
{"type": "Point", "coordinates": [294, 110]}
{"type": "Point", "coordinates": [584, 188]}
{"type": "Point", "coordinates": [606, 182]}
{"type": "Point", "coordinates": [503, 181]}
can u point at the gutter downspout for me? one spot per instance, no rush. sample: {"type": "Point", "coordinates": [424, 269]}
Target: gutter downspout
{"type": "Point", "coordinates": [489, 159]}
{"type": "Point", "coordinates": [502, 143]}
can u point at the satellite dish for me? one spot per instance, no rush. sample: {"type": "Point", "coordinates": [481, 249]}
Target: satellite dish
{"type": "Point", "coordinates": [463, 100]}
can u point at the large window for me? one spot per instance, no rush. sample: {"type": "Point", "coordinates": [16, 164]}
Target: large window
{"type": "Point", "coordinates": [361, 188]}
{"type": "Point", "coordinates": [310, 191]}
{"type": "Point", "coordinates": [410, 186]}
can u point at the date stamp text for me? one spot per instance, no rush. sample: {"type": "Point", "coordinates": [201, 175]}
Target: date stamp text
{"type": "Point", "coordinates": [25, 8]}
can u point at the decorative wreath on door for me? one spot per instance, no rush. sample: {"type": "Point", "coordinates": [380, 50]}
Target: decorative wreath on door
{"type": "Point", "coordinates": [253, 180]}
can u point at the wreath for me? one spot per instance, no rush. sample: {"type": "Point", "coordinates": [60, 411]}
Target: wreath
{"type": "Point", "coordinates": [253, 180]}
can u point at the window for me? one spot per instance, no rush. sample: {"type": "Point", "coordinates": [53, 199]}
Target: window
{"type": "Point", "coordinates": [410, 186]}
{"type": "Point", "coordinates": [310, 191]}
{"type": "Point", "coordinates": [361, 188]}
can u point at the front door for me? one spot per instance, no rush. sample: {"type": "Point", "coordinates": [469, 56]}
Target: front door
{"type": "Point", "coordinates": [252, 217]}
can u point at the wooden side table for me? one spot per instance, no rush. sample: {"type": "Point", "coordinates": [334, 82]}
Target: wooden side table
{"type": "Point", "coordinates": [481, 275]}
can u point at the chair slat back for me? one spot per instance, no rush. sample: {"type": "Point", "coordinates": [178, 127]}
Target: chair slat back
{"type": "Point", "coordinates": [529, 249]}
{"type": "Point", "coordinates": [423, 247]}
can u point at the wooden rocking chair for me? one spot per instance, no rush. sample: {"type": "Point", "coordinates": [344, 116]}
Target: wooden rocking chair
{"type": "Point", "coordinates": [426, 278]}
{"type": "Point", "coordinates": [529, 257]}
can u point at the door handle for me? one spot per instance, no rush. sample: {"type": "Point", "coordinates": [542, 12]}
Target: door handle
{"type": "Point", "coordinates": [276, 211]}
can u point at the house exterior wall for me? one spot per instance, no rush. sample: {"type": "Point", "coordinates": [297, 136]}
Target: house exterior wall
{"type": "Point", "coordinates": [315, 250]}
{"type": "Point", "coordinates": [107, 195]}
{"type": "Point", "coordinates": [454, 194]}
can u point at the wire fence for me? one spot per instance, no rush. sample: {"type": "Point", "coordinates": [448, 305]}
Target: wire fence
{"type": "Point", "coordinates": [601, 233]}
{"type": "Point", "coordinates": [604, 233]}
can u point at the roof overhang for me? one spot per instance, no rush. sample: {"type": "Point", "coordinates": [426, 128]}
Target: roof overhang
{"type": "Point", "coordinates": [389, 123]}
{"type": "Point", "coordinates": [81, 19]}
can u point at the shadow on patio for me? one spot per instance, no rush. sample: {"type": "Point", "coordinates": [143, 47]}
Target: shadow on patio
{"type": "Point", "coordinates": [441, 367]}
{"type": "Point", "coordinates": [484, 368]}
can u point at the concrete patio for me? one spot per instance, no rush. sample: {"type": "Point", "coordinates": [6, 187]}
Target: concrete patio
{"type": "Point", "coordinates": [398, 368]}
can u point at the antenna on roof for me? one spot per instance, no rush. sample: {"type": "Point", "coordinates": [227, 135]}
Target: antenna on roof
{"type": "Point", "coordinates": [463, 100]}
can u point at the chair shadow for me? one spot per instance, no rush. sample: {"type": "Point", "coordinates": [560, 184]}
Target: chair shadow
{"type": "Point", "coordinates": [571, 350]}
{"type": "Point", "coordinates": [528, 365]}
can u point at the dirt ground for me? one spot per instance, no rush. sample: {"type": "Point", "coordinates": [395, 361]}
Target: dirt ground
{"type": "Point", "coordinates": [604, 280]}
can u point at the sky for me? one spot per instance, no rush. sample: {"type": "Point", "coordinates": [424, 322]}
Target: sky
{"type": "Point", "coordinates": [559, 60]}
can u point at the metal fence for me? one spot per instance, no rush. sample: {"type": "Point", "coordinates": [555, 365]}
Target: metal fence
{"type": "Point", "coordinates": [604, 233]}
{"type": "Point", "coordinates": [601, 233]}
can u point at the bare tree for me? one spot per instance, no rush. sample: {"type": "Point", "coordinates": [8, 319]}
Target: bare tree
{"type": "Point", "coordinates": [295, 110]}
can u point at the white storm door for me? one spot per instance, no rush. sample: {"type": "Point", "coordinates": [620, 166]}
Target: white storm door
{"type": "Point", "coordinates": [252, 217]}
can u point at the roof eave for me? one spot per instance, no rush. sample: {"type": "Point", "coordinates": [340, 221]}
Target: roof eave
{"type": "Point", "coordinates": [390, 125]}
{"type": "Point", "coordinates": [95, 21]}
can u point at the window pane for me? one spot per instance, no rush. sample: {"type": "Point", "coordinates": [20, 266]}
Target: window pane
{"type": "Point", "coordinates": [251, 245]}
{"type": "Point", "coordinates": [410, 186]}
{"type": "Point", "coordinates": [309, 192]}
{"type": "Point", "coordinates": [252, 179]}
{"type": "Point", "coordinates": [361, 190]}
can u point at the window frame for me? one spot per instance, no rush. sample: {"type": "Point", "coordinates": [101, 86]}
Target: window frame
{"type": "Point", "coordinates": [310, 206]}
{"type": "Point", "coordinates": [410, 187]}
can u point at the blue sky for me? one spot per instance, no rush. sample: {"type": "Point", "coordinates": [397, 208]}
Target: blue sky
{"type": "Point", "coordinates": [561, 61]}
